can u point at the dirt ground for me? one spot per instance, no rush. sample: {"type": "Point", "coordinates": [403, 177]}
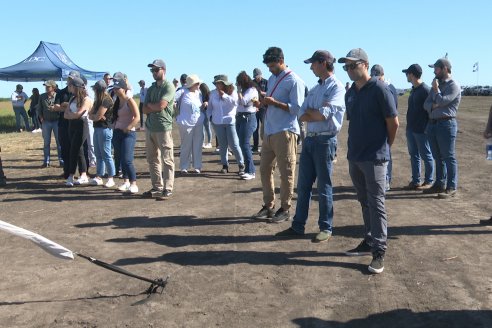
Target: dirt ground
{"type": "Point", "coordinates": [226, 270]}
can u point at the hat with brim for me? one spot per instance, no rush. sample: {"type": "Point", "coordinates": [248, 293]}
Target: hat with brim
{"type": "Point", "coordinates": [441, 63]}
{"type": "Point", "coordinates": [50, 83]}
{"type": "Point", "coordinates": [414, 69]}
{"type": "Point", "coordinates": [320, 55]}
{"type": "Point", "coordinates": [100, 85]}
{"type": "Point", "coordinates": [73, 74]}
{"type": "Point", "coordinates": [77, 82]}
{"type": "Point", "coordinates": [191, 80]}
{"type": "Point", "coordinates": [221, 78]}
{"type": "Point", "coordinates": [119, 84]}
{"type": "Point", "coordinates": [157, 63]}
{"type": "Point", "coordinates": [356, 54]}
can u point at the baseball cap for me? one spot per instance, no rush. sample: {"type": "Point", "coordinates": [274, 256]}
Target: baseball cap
{"type": "Point", "coordinates": [120, 76]}
{"type": "Point", "coordinates": [415, 69]}
{"type": "Point", "coordinates": [355, 55]}
{"type": "Point", "coordinates": [157, 63]}
{"type": "Point", "coordinates": [183, 77]}
{"type": "Point", "coordinates": [50, 83]}
{"type": "Point", "coordinates": [441, 62]}
{"type": "Point", "coordinates": [100, 85]}
{"type": "Point", "coordinates": [256, 72]}
{"type": "Point", "coordinates": [119, 84]}
{"type": "Point", "coordinates": [77, 82]}
{"type": "Point", "coordinates": [377, 70]}
{"type": "Point", "coordinates": [141, 82]}
{"type": "Point", "coordinates": [73, 74]}
{"type": "Point", "coordinates": [320, 55]}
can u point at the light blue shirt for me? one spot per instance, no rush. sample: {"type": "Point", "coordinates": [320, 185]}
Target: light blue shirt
{"type": "Point", "coordinates": [447, 100]}
{"type": "Point", "coordinates": [289, 91]}
{"type": "Point", "coordinates": [329, 99]}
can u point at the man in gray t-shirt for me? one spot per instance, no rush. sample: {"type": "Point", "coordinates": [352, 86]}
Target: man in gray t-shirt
{"type": "Point", "coordinates": [19, 98]}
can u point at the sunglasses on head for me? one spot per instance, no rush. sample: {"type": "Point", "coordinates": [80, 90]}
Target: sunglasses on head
{"type": "Point", "coordinates": [346, 67]}
{"type": "Point", "coordinates": [155, 69]}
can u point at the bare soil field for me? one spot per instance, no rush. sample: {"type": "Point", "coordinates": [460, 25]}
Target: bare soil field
{"type": "Point", "coordinates": [226, 270]}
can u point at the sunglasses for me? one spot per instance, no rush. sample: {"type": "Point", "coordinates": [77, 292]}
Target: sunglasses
{"type": "Point", "coordinates": [155, 69]}
{"type": "Point", "coordinates": [351, 66]}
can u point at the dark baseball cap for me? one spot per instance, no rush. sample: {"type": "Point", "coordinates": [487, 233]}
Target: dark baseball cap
{"type": "Point", "coordinates": [415, 69]}
{"type": "Point", "coordinates": [157, 63]}
{"type": "Point", "coordinates": [377, 71]}
{"type": "Point", "coordinates": [321, 55]}
{"type": "Point", "coordinates": [77, 82]}
{"type": "Point", "coordinates": [441, 62]}
{"type": "Point", "coordinates": [119, 84]}
{"type": "Point", "coordinates": [355, 55]}
{"type": "Point", "coordinates": [100, 85]}
{"type": "Point", "coordinates": [73, 74]}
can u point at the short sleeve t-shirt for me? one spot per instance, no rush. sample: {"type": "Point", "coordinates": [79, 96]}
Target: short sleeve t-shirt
{"type": "Point", "coordinates": [108, 104]}
{"type": "Point", "coordinates": [163, 120]}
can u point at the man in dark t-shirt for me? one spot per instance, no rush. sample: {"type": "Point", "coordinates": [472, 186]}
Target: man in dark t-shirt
{"type": "Point", "coordinates": [373, 122]}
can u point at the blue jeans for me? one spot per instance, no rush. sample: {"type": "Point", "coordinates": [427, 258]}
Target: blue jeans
{"type": "Point", "coordinates": [207, 130]}
{"type": "Point", "coordinates": [442, 140]}
{"type": "Point", "coordinates": [419, 149]}
{"type": "Point", "coordinates": [369, 182]}
{"type": "Point", "coordinates": [102, 150]}
{"type": "Point", "coordinates": [124, 147]}
{"type": "Point", "coordinates": [21, 112]}
{"type": "Point", "coordinates": [315, 163]}
{"type": "Point", "coordinates": [227, 136]}
{"type": "Point", "coordinates": [48, 127]}
{"type": "Point", "coordinates": [246, 125]}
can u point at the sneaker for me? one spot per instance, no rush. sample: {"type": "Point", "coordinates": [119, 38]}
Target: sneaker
{"type": "Point", "coordinates": [207, 145]}
{"type": "Point", "coordinates": [217, 150]}
{"type": "Point", "coordinates": [387, 186]}
{"type": "Point", "coordinates": [288, 233]}
{"type": "Point", "coordinates": [124, 187]}
{"type": "Point", "coordinates": [425, 186]}
{"type": "Point", "coordinates": [133, 189]}
{"type": "Point", "coordinates": [96, 181]}
{"type": "Point", "coordinates": [241, 169]}
{"type": "Point", "coordinates": [362, 249]}
{"type": "Point", "coordinates": [248, 176]}
{"type": "Point", "coordinates": [69, 182]}
{"type": "Point", "coordinates": [229, 153]}
{"type": "Point", "coordinates": [486, 222]}
{"type": "Point", "coordinates": [280, 216]}
{"type": "Point", "coordinates": [377, 263]}
{"type": "Point", "coordinates": [447, 194]}
{"type": "Point", "coordinates": [264, 213]}
{"type": "Point", "coordinates": [166, 194]}
{"type": "Point", "coordinates": [152, 193]}
{"type": "Point", "coordinates": [81, 181]}
{"type": "Point", "coordinates": [412, 186]}
{"type": "Point", "coordinates": [225, 169]}
{"type": "Point", "coordinates": [321, 237]}
{"type": "Point", "coordinates": [435, 189]}
{"type": "Point", "coordinates": [184, 171]}
{"type": "Point", "coordinates": [110, 183]}
{"type": "Point", "coordinates": [45, 165]}
{"type": "Point", "coordinates": [197, 171]}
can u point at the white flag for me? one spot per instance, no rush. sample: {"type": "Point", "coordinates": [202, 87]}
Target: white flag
{"type": "Point", "coordinates": [475, 67]}
{"type": "Point", "coordinates": [46, 244]}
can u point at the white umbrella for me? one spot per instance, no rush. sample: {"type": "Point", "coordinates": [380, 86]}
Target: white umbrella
{"type": "Point", "coordinates": [46, 244]}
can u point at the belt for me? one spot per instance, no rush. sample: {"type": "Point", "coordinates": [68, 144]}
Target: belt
{"type": "Point", "coordinates": [314, 134]}
{"type": "Point", "coordinates": [435, 120]}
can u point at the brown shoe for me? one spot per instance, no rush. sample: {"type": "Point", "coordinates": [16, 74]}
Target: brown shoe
{"type": "Point", "coordinates": [425, 186]}
{"type": "Point", "coordinates": [412, 186]}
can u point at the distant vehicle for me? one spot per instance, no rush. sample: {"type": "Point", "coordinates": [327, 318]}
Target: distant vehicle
{"type": "Point", "coordinates": [485, 90]}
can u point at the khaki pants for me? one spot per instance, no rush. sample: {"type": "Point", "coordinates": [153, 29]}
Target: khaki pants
{"type": "Point", "coordinates": [281, 149]}
{"type": "Point", "coordinates": [160, 157]}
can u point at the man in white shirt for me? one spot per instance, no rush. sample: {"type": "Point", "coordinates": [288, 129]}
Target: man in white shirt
{"type": "Point", "coordinates": [19, 98]}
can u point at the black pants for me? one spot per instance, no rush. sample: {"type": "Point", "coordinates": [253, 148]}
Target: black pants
{"type": "Point", "coordinates": [64, 141]}
{"type": "Point", "coordinates": [256, 135]}
{"type": "Point", "coordinates": [140, 108]}
{"type": "Point", "coordinates": [2, 175]}
{"type": "Point", "coordinates": [76, 155]}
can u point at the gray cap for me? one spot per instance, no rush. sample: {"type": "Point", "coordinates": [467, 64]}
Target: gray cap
{"type": "Point", "coordinates": [221, 78]}
{"type": "Point", "coordinates": [119, 84]}
{"type": "Point", "coordinates": [321, 55]}
{"type": "Point", "coordinates": [442, 62]}
{"type": "Point", "coordinates": [50, 83]}
{"type": "Point", "coordinates": [73, 74]}
{"type": "Point", "coordinates": [355, 55]}
{"type": "Point", "coordinates": [157, 63]}
{"type": "Point", "coordinates": [77, 82]}
{"type": "Point", "coordinates": [377, 71]}
{"type": "Point", "coordinates": [119, 75]}
{"type": "Point", "coordinates": [100, 85]}
{"type": "Point", "coordinates": [256, 72]}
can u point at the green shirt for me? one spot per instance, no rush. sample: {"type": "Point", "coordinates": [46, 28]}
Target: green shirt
{"type": "Point", "coordinates": [44, 103]}
{"type": "Point", "coordinates": [163, 120]}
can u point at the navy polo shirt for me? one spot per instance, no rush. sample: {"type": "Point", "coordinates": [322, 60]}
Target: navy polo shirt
{"type": "Point", "coordinates": [417, 117]}
{"type": "Point", "coordinates": [367, 110]}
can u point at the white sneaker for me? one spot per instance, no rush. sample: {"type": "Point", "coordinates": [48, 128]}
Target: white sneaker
{"type": "Point", "coordinates": [184, 171]}
{"type": "Point", "coordinates": [248, 176]}
{"type": "Point", "coordinates": [133, 189]}
{"type": "Point", "coordinates": [124, 187]}
{"type": "Point", "coordinates": [110, 183]}
{"type": "Point", "coordinates": [197, 171]}
{"type": "Point", "coordinates": [207, 145]}
{"type": "Point", "coordinates": [81, 181]}
{"type": "Point", "coordinates": [96, 181]}
{"type": "Point", "coordinates": [69, 182]}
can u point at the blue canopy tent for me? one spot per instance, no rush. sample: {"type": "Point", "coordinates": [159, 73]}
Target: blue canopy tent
{"type": "Point", "coordinates": [48, 62]}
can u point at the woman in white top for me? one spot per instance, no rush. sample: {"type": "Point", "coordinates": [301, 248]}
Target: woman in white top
{"type": "Point", "coordinates": [246, 120]}
{"type": "Point", "coordinates": [222, 108]}
{"type": "Point", "coordinates": [78, 107]}
{"type": "Point", "coordinates": [190, 122]}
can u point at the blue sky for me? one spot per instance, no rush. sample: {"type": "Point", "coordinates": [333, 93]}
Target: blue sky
{"type": "Point", "coordinates": [212, 37]}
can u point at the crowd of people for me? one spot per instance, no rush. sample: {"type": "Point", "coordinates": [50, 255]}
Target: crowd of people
{"type": "Point", "coordinates": [101, 132]}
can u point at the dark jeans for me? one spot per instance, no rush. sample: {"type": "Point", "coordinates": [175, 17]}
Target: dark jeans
{"type": "Point", "coordinates": [2, 174]}
{"type": "Point", "coordinates": [64, 140]}
{"type": "Point", "coordinates": [260, 115]}
{"type": "Point", "coordinates": [140, 109]}
{"type": "Point", "coordinates": [245, 126]}
{"type": "Point", "coordinates": [315, 164]}
{"type": "Point", "coordinates": [76, 154]}
{"type": "Point", "coordinates": [124, 150]}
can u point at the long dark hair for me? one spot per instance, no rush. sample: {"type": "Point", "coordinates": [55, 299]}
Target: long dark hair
{"type": "Point", "coordinates": [244, 81]}
{"type": "Point", "coordinates": [205, 90]}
